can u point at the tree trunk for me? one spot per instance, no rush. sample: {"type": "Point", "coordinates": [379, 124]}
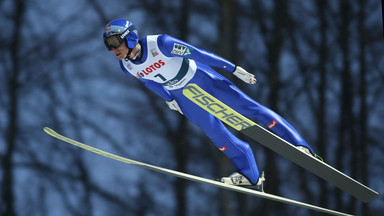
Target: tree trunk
{"type": "Point", "coordinates": [180, 138]}
{"type": "Point", "coordinates": [346, 100]}
{"type": "Point", "coordinates": [227, 49]}
{"type": "Point", "coordinates": [7, 184]}
{"type": "Point", "coordinates": [180, 146]}
{"type": "Point", "coordinates": [363, 115]}
{"type": "Point", "coordinates": [321, 116]}
{"type": "Point", "coordinates": [275, 46]}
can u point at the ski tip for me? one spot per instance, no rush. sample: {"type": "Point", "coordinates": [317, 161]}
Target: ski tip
{"type": "Point", "coordinates": [49, 130]}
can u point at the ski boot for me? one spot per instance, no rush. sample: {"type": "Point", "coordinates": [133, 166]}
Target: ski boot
{"type": "Point", "coordinates": [308, 152]}
{"type": "Point", "coordinates": [239, 179]}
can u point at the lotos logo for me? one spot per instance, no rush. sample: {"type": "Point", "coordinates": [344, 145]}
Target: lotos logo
{"type": "Point", "coordinates": [150, 69]}
{"type": "Point", "coordinates": [223, 148]}
{"type": "Point", "coordinates": [273, 124]}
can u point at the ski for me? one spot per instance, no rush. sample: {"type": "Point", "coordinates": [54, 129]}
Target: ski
{"type": "Point", "coordinates": [276, 144]}
{"type": "Point", "coordinates": [190, 177]}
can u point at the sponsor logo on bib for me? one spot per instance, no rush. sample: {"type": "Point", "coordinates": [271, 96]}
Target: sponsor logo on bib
{"type": "Point", "coordinates": [150, 69]}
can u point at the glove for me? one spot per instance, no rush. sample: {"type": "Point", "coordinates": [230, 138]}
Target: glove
{"type": "Point", "coordinates": [173, 105]}
{"type": "Point", "coordinates": [244, 75]}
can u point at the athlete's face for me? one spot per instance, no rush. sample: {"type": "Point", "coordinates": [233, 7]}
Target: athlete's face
{"type": "Point", "coordinates": [122, 51]}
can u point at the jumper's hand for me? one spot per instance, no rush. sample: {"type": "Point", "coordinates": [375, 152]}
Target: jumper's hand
{"type": "Point", "coordinates": [244, 75]}
{"type": "Point", "coordinates": [173, 105]}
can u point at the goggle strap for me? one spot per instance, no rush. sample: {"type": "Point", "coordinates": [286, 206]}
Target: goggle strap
{"type": "Point", "coordinates": [127, 31]}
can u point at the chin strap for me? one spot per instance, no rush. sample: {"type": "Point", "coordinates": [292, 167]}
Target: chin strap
{"type": "Point", "coordinates": [137, 56]}
{"type": "Point", "coordinates": [139, 53]}
{"type": "Point", "coordinates": [129, 53]}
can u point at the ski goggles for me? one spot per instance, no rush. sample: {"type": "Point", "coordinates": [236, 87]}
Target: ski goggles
{"type": "Point", "coordinates": [113, 41]}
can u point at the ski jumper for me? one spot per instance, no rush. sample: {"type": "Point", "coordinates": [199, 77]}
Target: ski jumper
{"type": "Point", "coordinates": [168, 64]}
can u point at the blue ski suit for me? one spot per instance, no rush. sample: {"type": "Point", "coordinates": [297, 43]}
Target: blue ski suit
{"type": "Point", "coordinates": [168, 64]}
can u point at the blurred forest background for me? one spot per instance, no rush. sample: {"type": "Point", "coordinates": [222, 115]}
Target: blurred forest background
{"type": "Point", "coordinates": [319, 63]}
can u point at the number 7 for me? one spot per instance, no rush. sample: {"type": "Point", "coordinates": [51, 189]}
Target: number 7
{"type": "Point", "coordinates": [161, 77]}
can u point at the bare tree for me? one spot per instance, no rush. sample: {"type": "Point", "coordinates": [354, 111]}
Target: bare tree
{"type": "Point", "coordinates": [227, 49]}
{"type": "Point", "coordinates": [13, 83]}
{"type": "Point", "coordinates": [53, 72]}
{"type": "Point", "coordinates": [346, 121]}
{"type": "Point", "coordinates": [275, 43]}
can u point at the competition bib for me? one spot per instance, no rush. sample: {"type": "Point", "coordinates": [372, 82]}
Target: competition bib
{"type": "Point", "coordinates": [171, 72]}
